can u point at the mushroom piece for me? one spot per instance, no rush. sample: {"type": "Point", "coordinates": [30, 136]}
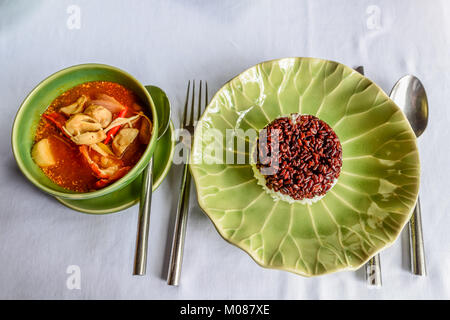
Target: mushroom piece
{"type": "Point", "coordinates": [108, 102]}
{"type": "Point", "coordinates": [75, 107]}
{"type": "Point", "coordinates": [42, 154]}
{"type": "Point", "coordinates": [145, 131]}
{"type": "Point", "coordinates": [81, 123]}
{"type": "Point", "coordinates": [100, 114]}
{"type": "Point", "coordinates": [123, 139]}
{"type": "Point", "coordinates": [89, 137]}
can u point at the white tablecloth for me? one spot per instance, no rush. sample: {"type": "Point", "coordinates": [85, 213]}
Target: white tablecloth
{"type": "Point", "coordinates": [165, 43]}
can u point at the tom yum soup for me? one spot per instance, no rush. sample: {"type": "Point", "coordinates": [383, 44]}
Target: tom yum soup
{"type": "Point", "coordinates": [91, 136]}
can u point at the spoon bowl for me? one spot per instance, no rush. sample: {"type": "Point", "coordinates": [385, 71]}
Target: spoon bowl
{"type": "Point", "coordinates": [409, 94]}
{"type": "Point", "coordinates": [163, 110]}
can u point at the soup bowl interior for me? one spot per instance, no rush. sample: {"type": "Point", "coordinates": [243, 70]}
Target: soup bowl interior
{"type": "Point", "coordinates": [35, 104]}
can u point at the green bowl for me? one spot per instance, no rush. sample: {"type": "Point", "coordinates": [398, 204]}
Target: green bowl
{"type": "Point", "coordinates": [40, 98]}
{"type": "Point", "coordinates": [362, 214]}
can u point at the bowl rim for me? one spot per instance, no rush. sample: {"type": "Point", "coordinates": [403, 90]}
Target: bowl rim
{"type": "Point", "coordinates": [134, 172]}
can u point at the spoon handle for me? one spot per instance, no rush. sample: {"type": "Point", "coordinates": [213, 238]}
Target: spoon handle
{"type": "Point", "coordinates": [418, 265]}
{"type": "Point", "coordinates": [140, 258]}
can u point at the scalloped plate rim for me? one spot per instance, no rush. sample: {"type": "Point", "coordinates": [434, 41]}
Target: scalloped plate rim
{"type": "Point", "coordinates": [282, 268]}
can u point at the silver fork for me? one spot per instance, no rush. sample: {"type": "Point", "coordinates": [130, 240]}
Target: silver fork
{"type": "Point", "coordinates": [179, 235]}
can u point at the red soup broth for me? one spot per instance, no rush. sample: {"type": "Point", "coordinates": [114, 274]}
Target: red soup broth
{"type": "Point", "coordinates": [71, 171]}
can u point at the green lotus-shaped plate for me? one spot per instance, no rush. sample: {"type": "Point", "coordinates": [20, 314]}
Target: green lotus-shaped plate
{"type": "Point", "coordinates": [362, 214]}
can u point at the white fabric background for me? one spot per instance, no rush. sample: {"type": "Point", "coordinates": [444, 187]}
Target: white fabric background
{"type": "Point", "coordinates": [166, 43]}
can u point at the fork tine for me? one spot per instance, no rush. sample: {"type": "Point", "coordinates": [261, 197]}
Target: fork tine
{"type": "Point", "coordinates": [184, 123]}
{"type": "Point", "coordinates": [199, 108]}
{"type": "Point", "coordinates": [191, 118]}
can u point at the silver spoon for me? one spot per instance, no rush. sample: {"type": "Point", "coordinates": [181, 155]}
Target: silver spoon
{"type": "Point", "coordinates": [162, 106]}
{"type": "Point", "coordinates": [409, 94]}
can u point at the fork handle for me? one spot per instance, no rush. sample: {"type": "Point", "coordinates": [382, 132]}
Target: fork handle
{"type": "Point", "coordinates": [418, 265]}
{"type": "Point", "coordinates": [176, 256]}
